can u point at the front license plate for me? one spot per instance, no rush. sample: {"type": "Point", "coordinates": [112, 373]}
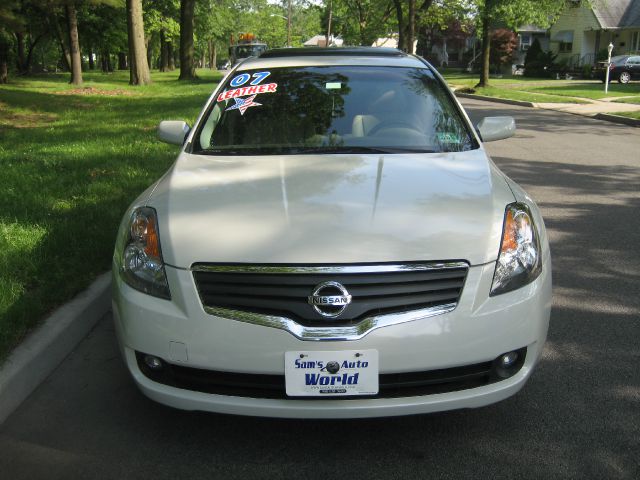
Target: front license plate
{"type": "Point", "coordinates": [331, 374]}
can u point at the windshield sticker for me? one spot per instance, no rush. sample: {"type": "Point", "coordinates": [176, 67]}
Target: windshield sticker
{"type": "Point", "coordinates": [243, 78]}
{"type": "Point", "coordinates": [243, 103]}
{"type": "Point", "coordinates": [333, 85]}
{"type": "Point", "coordinates": [448, 137]}
{"type": "Point", "coordinates": [244, 91]}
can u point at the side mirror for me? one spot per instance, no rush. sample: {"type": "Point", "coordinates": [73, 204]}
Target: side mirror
{"type": "Point", "coordinates": [496, 128]}
{"type": "Point", "coordinates": [173, 131]}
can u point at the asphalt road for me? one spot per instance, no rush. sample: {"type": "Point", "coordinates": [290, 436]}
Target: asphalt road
{"type": "Point", "coordinates": [578, 417]}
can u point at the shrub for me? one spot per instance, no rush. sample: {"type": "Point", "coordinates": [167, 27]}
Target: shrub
{"type": "Point", "coordinates": [537, 62]}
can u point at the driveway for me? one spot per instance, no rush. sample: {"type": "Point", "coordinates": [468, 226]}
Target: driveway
{"type": "Point", "coordinates": [578, 417]}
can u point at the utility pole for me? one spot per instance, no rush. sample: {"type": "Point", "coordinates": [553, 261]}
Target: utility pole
{"type": "Point", "coordinates": [329, 23]}
{"type": "Point", "coordinates": [289, 24]}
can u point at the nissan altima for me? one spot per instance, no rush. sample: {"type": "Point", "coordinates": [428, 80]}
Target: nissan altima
{"type": "Point", "coordinates": [333, 241]}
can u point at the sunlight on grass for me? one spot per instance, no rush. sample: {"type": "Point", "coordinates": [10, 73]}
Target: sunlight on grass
{"type": "Point", "coordinates": [593, 91]}
{"type": "Point", "coordinates": [635, 100]}
{"type": "Point", "coordinates": [635, 115]}
{"type": "Point", "coordinates": [73, 159]}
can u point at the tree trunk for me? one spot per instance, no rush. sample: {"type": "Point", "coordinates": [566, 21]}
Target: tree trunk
{"type": "Point", "coordinates": [486, 46]}
{"type": "Point", "coordinates": [187, 66]}
{"type": "Point", "coordinates": [171, 53]}
{"type": "Point", "coordinates": [92, 64]}
{"type": "Point", "coordinates": [29, 59]}
{"type": "Point", "coordinates": [147, 46]}
{"type": "Point", "coordinates": [412, 26]}
{"type": "Point", "coordinates": [122, 61]}
{"type": "Point", "coordinates": [400, 17]}
{"type": "Point", "coordinates": [103, 62]}
{"type": "Point", "coordinates": [138, 66]}
{"type": "Point", "coordinates": [20, 61]}
{"type": "Point", "coordinates": [164, 52]}
{"type": "Point", "coordinates": [74, 44]}
{"type": "Point", "coordinates": [61, 40]}
{"type": "Point", "coordinates": [213, 61]}
{"type": "Point", "coordinates": [4, 61]}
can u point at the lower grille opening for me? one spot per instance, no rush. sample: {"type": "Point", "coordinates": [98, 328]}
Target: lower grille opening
{"type": "Point", "coordinates": [393, 385]}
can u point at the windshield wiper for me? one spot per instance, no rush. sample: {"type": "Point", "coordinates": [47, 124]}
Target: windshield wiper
{"type": "Point", "coordinates": [361, 149]}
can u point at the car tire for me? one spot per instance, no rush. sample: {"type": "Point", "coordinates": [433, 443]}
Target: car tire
{"type": "Point", "coordinates": [624, 77]}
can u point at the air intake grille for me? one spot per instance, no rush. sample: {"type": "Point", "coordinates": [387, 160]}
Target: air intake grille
{"type": "Point", "coordinates": [284, 290]}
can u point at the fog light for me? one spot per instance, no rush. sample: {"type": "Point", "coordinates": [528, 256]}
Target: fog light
{"type": "Point", "coordinates": [154, 363]}
{"type": "Point", "coordinates": [508, 359]}
{"type": "Point", "coordinates": [508, 364]}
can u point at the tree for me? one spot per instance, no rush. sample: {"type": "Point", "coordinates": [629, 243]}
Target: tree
{"type": "Point", "coordinates": [138, 66]}
{"type": "Point", "coordinates": [512, 13]}
{"type": "Point", "coordinates": [537, 61]}
{"type": "Point", "coordinates": [74, 44]}
{"type": "Point", "coordinates": [10, 20]}
{"type": "Point", "coordinates": [503, 43]}
{"type": "Point", "coordinates": [160, 23]}
{"type": "Point", "coordinates": [187, 63]}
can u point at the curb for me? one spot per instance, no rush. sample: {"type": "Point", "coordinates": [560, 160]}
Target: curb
{"type": "Point", "coordinates": [632, 122]}
{"type": "Point", "coordinates": [518, 103]}
{"type": "Point", "coordinates": [43, 350]}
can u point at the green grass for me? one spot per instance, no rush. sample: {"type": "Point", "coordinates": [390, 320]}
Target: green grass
{"type": "Point", "coordinates": [513, 94]}
{"type": "Point", "coordinates": [73, 159]}
{"type": "Point", "coordinates": [590, 90]}
{"type": "Point", "coordinates": [635, 100]}
{"type": "Point", "coordinates": [635, 115]}
{"type": "Point", "coordinates": [543, 90]}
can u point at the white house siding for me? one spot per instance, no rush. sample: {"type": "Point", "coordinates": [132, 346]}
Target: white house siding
{"type": "Point", "coordinates": [626, 41]}
{"type": "Point", "coordinates": [578, 20]}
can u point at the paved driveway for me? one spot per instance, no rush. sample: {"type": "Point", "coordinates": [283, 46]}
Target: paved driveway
{"type": "Point", "coordinates": [578, 417]}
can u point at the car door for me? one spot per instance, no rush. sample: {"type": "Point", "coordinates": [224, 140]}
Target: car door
{"type": "Point", "coordinates": [633, 65]}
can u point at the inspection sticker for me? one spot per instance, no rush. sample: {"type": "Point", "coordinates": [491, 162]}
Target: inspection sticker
{"type": "Point", "coordinates": [245, 91]}
{"type": "Point", "coordinates": [448, 137]}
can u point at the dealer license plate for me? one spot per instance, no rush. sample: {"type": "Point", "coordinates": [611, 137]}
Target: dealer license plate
{"type": "Point", "coordinates": [330, 374]}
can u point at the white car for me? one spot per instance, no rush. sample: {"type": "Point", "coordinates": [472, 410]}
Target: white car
{"type": "Point", "coordinates": [332, 242]}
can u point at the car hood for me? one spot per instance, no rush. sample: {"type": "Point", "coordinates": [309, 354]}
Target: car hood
{"type": "Point", "coordinates": [330, 209]}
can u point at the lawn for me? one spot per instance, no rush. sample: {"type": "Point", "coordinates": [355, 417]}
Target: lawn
{"type": "Point", "coordinates": [514, 94]}
{"type": "Point", "coordinates": [73, 160]}
{"type": "Point", "coordinates": [542, 90]}
{"type": "Point", "coordinates": [591, 90]}
{"type": "Point", "coordinates": [635, 100]}
{"type": "Point", "coordinates": [635, 115]}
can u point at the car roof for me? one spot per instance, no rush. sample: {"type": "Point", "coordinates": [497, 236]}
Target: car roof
{"type": "Point", "coordinates": [344, 56]}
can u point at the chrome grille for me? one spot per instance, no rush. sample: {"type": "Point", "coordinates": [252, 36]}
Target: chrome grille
{"type": "Point", "coordinates": [283, 291]}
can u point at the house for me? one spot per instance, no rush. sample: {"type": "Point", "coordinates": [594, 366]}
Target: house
{"type": "Point", "coordinates": [527, 34]}
{"type": "Point", "coordinates": [583, 31]}
{"type": "Point", "coordinates": [321, 41]}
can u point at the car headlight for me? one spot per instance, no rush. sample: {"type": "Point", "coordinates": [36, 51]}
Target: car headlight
{"type": "Point", "coordinates": [140, 262]}
{"type": "Point", "coordinates": [519, 261]}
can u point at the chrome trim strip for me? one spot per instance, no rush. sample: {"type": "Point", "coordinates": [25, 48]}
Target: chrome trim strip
{"type": "Point", "coordinates": [330, 334]}
{"type": "Point", "coordinates": [331, 269]}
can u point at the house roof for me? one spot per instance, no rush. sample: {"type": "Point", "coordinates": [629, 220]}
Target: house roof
{"type": "Point", "coordinates": [617, 13]}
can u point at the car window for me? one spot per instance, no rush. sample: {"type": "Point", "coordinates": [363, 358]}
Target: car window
{"type": "Point", "coordinates": [332, 109]}
{"type": "Point", "coordinates": [634, 60]}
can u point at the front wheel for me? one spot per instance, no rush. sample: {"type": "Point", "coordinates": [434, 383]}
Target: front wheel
{"type": "Point", "coordinates": [624, 77]}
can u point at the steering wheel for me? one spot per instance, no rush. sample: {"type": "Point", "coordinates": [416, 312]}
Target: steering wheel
{"type": "Point", "coordinates": [388, 124]}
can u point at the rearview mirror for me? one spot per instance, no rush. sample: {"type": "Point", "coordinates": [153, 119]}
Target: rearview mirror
{"type": "Point", "coordinates": [496, 128]}
{"type": "Point", "coordinates": [173, 131]}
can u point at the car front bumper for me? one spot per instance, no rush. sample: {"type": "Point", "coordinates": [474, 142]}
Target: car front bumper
{"type": "Point", "coordinates": [478, 330]}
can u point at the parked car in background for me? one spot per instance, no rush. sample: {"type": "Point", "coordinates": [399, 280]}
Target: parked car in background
{"type": "Point", "coordinates": [623, 68]}
{"type": "Point", "coordinates": [333, 241]}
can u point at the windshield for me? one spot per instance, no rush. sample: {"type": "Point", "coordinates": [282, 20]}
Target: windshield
{"type": "Point", "coordinates": [333, 110]}
{"type": "Point", "coordinates": [244, 51]}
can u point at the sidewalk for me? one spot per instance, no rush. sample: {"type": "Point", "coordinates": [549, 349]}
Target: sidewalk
{"type": "Point", "coordinates": [598, 109]}
{"type": "Point", "coordinates": [592, 108]}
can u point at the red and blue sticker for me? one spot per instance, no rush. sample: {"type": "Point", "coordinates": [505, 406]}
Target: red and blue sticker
{"type": "Point", "coordinates": [254, 88]}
